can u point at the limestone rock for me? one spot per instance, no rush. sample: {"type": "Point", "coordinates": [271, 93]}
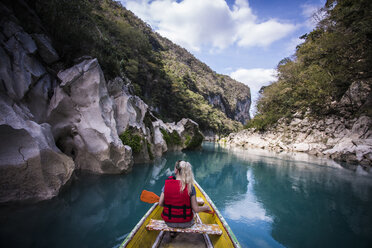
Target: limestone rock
{"type": "Point", "coordinates": [354, 97]}
{"type": "Point", "coordinates": [242, 110]}
{"type": "Point", "coordinates": [346, 137]}
{"type": "Point", "coordinates": [130, 110]}
{"type": "Point", "coordinates": [39, 96]}
{"type": "Point", "coordinates": [46, 49]}
{"type": "Point", "coordinates": [138, 127]}
{"type": "Point", "coordinates": [19, 69]}
{"type": "Point", "coordinates": [188, 132]}
{"type": "Point", "coordinates": [82, 117]}
{"type": "Point", "coordinates": [32, 167]}
{"type": "Point", "coordinates": [160, 145]}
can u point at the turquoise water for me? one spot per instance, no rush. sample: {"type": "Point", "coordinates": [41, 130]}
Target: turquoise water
{"type": "Point", "coordinates": [279, 201]}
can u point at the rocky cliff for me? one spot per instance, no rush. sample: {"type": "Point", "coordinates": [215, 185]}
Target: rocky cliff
{"type": "Point", "coordinates": [170, 80]}
{"type": "Point", "coordinates": [231, 97]}
{"type": "Point", "coordinates": [345, 137]}
{"type": "Point", "coordinates": [56, 120]}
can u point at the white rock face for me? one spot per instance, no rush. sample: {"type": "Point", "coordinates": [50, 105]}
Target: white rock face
{"type": "Point", "coordinates": [130, 110]}
{"type": "Point", "coordinates": [133, 115]}
{"type": "Point", "coordinates": [347, 141]}
{"type": "Point", "coordinates": [49, 128]}
{"type": "Point", "coordinates": [160, 146]}
{"type": "Point", "coordinates": [343, 138]}
{"type": "Point", "coordinates": [31, 166]}
{"type": "Point", "coordinates": [83, 124]}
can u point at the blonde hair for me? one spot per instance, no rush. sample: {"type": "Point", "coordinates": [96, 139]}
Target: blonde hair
{"type": "Point", "coordinates": [187, 177]}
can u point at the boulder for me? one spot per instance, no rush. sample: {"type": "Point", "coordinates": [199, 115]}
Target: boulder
{"type": "Point", "coordinates": [184, 134]}
{"type": "Point", "coordinates": [32, 167]}
{"type": "Point", "coordinates": [129, 110]}
{"type": "Point", "coordinates": [354, 97]}
{"type": "Point", "coordinates": [82, 117]}
{"type": "Point", "coordinates": [343, 140]}
{"type": "Point", "coordinates": [160, 145]}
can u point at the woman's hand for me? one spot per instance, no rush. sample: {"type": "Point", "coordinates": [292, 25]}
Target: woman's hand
{"type": "Point", "coordinates": [206, 208]}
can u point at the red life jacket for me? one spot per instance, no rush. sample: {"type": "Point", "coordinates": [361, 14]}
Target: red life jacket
{"type": "Point", "coordinates": [177, 205]}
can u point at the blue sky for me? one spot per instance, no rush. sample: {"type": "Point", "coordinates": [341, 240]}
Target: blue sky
{"type": "Point", "coordinates": [244, 39]}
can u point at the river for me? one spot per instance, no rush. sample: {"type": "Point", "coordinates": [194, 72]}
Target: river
{"type": "Point", "coordinates": [268, 200]}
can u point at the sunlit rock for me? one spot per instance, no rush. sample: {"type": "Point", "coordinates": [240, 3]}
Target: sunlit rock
{"type": "Point", "coordinates": [82, 118]}
{"type": "Point", "coordinates": [346, 137]}
{"type": "Point", "coordinates": [130, 110]}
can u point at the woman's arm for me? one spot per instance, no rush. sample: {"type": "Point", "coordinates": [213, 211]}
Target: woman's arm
{"type": "Point", "coordinates": [161, 200]}
{"type": "Point", "coordinates": [196, 207]}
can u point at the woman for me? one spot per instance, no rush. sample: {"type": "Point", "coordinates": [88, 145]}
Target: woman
{"type": "Point", "coordinates": [179, 197]}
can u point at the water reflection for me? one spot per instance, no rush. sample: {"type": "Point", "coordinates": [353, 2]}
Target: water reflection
{"type": "Point", "coordinates": [247, 208]}
{"type": "Point", "coordinates": [158, 170]}
{"type": "Point", "coordinates": [310, 202]}
{"type": "Point", "coordinates": [268, 201]}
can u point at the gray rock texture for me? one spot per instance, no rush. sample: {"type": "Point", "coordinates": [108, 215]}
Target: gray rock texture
{"type": "Point", "coordinates": [132, 114]}
{"type": "Point", "coordinates": [32, 168]}
{"type": "Point", "coordinates": [46, 50]}
{"type": "Point", "coordinates": [52, 125]}
{"type": "Point", "coordinates": [82, 117]}
{"type": "Point", "coordinates": [345, 138]}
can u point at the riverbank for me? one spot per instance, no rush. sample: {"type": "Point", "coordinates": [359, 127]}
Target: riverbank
{"type": "Point", "coordinates": [348, 141]}
{"type": "Point", "coordinates": [345, 135]}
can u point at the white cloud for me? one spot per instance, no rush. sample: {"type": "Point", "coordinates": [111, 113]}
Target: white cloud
{"type": "Point", "coordinates": [247, 207]}
{"type": "Point", "coordinates": [255, 79]}
{"type": "Point", "coordinates": [195, 24]}
{"type": "Point", "coordinates": [312, 14]}
{"type": "Point", "coordinates": [262, 34]}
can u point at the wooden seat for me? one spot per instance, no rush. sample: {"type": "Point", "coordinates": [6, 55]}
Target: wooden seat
{"type": "Point", "coordinates": [159, 225]}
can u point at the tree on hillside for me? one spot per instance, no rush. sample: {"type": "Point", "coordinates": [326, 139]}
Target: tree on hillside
{"type": "Point", "coordinates": [336, 53]}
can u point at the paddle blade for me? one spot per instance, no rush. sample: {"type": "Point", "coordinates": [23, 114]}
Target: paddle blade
{"type": "Point", "coordinates": [210, 212]}
{"type": "Point", "coordinates": [149, 197]}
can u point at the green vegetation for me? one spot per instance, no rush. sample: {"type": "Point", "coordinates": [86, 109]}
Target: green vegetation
{"type": "Point", "coordinates": [172, 138]}
{"type": "Point", "coordinates": [164, 75]}
{"type": "Point", "coordinates": [195, 142]}
{"type": "Point", "coordinates": [151, 155]}
{"type": "Point", "coordinates": [336, 53]}
{"type": "Point", "coordinates": [187, 139]}
{"type": "Point", "coordinates": [130, 138]}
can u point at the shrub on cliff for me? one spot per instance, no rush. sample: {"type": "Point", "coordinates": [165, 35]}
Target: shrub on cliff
{"type": "Point", "coordinates": [131, 139]}
{"type": "Point", "coordinates": [172, 138]}
{"type": "Point", "coordinates": [194, 142]}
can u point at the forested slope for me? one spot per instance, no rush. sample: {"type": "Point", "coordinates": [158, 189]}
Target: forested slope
{"type": "Point", "coordinates": [167, 77]}
{"type": "Point", "coordinates": [335, 54]}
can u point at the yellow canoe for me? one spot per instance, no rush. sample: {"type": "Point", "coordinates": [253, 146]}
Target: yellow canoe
{"type": "Point", "coordinates": [141, 237]}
